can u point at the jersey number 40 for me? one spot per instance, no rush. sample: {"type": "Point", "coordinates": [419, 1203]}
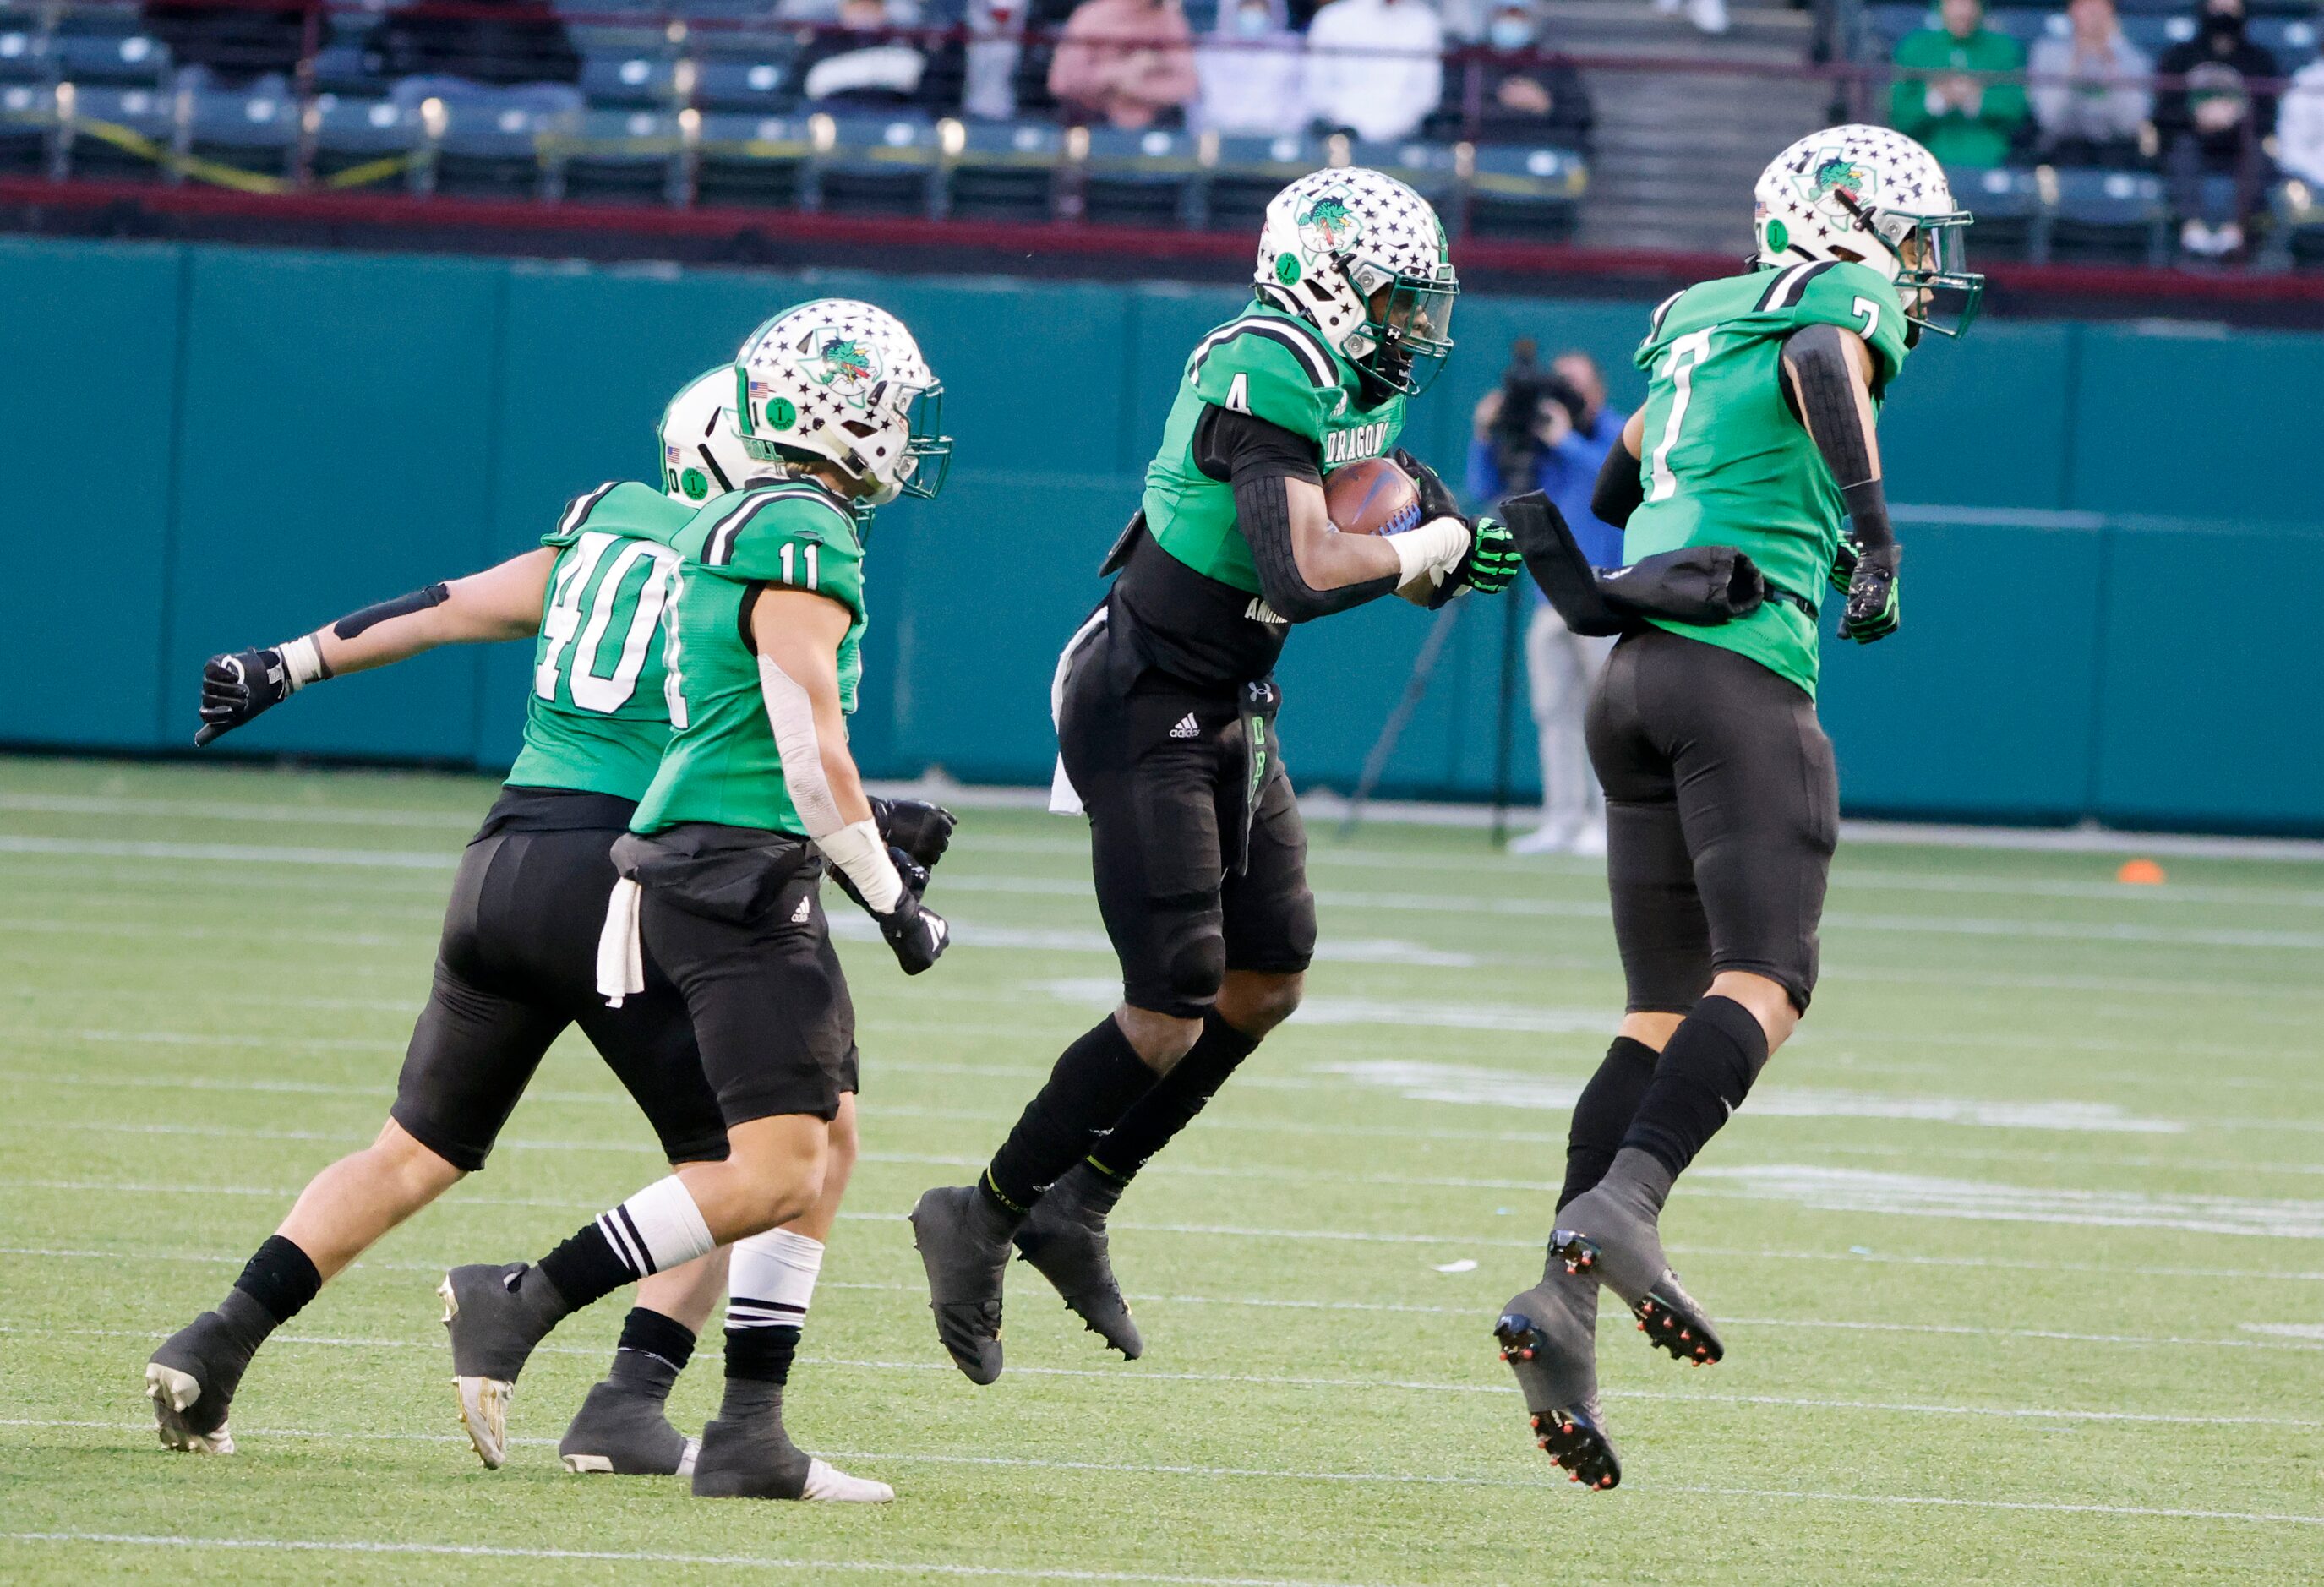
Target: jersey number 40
{"type": "Point", "coordinates": [593, 597]}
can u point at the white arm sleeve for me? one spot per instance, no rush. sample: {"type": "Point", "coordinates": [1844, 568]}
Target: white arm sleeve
{"type": "Point", "coordinates": [1436, 547]}
{"type": "Point", "coordinates": [855, 849]}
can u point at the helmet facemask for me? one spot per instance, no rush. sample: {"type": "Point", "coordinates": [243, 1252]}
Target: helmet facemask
{"type": "Point", "coordinates": [1930, 254]}
{"type": "Point", "coordinates": [1407, 330]}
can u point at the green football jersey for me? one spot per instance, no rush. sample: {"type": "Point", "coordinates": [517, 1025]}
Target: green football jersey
{"type": "Point", "coordinates": [1277, 367]}
{"type": "Point", "coordinates": [1728, 464]}
{"type": "Point", "coordinates": [600, 710]}
{"type": "Point", "coordinates": [722, 764]}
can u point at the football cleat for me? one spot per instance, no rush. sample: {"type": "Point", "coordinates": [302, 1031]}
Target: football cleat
{"type": "Point", "coordinates": [964, 1243]}
{"type": "Point", "coordinates": [191, 1381]}
{"type": "Point", "coordinates": [625, 1431]}
{"type": "Point", "coordinates": [1064, 1239]}
{"type": "Point", "coordinates": [493, 1327]}
{"type": "Point", "coordinates": [753, 1457]}
{"type": "Point", "coordinates": [1624, 1254]}
{"type": "Point", "coordinates": [1548, 1337]}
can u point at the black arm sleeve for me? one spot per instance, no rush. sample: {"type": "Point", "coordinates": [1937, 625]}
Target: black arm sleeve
{"type": "Point", "coordinates": [1256, 458]}
{"type": "Point", "coordinates": [354, 622]}
{"type": "Point", "coordinates": [1618, 492]}
{"type": "Point", "coordinates": [1816, 356]}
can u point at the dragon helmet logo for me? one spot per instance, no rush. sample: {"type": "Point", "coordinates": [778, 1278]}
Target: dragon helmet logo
{"type": "Point", "coordinates": [1831, 169]}
{"type": "Point", "coordinates": [1328, 225]}
{"type": "Point", "coordinates": [847, 365]}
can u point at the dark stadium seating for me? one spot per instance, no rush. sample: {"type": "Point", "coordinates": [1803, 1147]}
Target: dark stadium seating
{"type": "Point", "coordinates": [1523, 195]}
{"type": "Point", "coordinates": [350, 134]}
{"type": "Point", "coordinates": [251, 132]}
{"type": "Point", "coordinates": [28, 120]}
{"type": "Point", "coordinates": [1004, 170]}
{"type": "Point", "coordinates": [615, 157]}
{"type": "Point", "coordinates": [874, 165]}
{"type": "Point", "coordinates": [92, 114]}
{"type": "Point", "coordinates": [753, 161]}
{"type": "Point", "coordinates": [1151, 178]}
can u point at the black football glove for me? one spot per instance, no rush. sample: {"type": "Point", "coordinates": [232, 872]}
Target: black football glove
{"type": "Point", "coordinates": [1873, 607]}
{"type": "Point", "coordinates": [917, 935]}
{"type": "Point", "coordinates": [1436, 501]}
{"type": "Point", "coordinates": [239, 686]}
{"type": "Point", "coordinates": [920, 830]}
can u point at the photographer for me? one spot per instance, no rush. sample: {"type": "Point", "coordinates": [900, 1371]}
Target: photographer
{"type": "Point", "coordinates": [1549, 431]}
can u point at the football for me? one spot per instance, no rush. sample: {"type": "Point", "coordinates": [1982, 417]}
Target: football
{"type": "Point", "coordinates": [1371, 497]}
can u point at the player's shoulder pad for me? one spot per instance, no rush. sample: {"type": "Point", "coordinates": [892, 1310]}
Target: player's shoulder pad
{"type": "Point", "coordinates": [790, 534]}
{"type": "Point", "coordinates": [1272, 366]}
{"type": "Point", "coordinates": [620, 507]}
{"type": "Point", "coordinates": [1854, 297]}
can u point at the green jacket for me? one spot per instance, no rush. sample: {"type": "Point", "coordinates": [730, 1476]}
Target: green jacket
{"type": "Point", "coordinates": [1954, 137]}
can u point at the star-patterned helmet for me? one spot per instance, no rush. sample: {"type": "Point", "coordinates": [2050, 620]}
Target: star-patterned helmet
{"type": "Point", "coordinates": [1363, 258]}
{"type": "Point", "coordinates": [844, 382]}
{"type": "Point", "coordinates": [701, 454]}
{"type": "Point", "coordinates": [1874, 196]}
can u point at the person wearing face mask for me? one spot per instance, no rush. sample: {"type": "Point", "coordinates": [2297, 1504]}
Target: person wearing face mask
{"type": "Point", "coordinates": [2212, 113]}
{"type": "Point", "coordinates": [1253, 72]}
{"type": "Point", "coordinates": [1515, 100]}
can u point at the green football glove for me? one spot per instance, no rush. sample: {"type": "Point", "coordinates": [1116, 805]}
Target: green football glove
{"type": "Point", "coordinates": [1492, 560]}
{"type": "Point", "coordinates": [1874, 610]}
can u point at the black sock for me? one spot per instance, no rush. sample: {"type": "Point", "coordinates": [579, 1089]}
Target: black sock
{"type": "Point", "coordinates": [585, 1269]}
{"type": "Point", "coordinates": [1171, 1102]}
{"type": "Point", "coordinates": [281, 1278]}
{"type": "Point", "coordinates": [654, 1349]}
{"type": "Point", "coordinates": [1602, 1113]}
{"type": "Point", "coordinates": [1704, 1074]}
{"type": "Point", "coordinates": [1096, 1082]}
{"type": "Point", "coordinates": [758, 1365]}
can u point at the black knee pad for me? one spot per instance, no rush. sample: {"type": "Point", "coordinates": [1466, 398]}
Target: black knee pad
{"type": "Point", "coordinates": [1198, 968]}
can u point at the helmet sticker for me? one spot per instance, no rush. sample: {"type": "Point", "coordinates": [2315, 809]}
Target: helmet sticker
{"type": "Point", "coordinates": [1287, 267]}
{"type": "Point", "coordinates": [694, 484]}
{"type": "Point", "coordinates": [781, 413]}
{"type": "Point", "coordinates": [1329, 224]}
{"type": "Point", "coordinates": [1779, 236]}
{"type": "Point", "coordinates": [847, 365]}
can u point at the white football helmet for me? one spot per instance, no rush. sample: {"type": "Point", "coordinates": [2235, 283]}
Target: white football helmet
{"type": "Point", "coordinates": [1873, 196]}
{"type": "Point", "coordinates": [1362, 258]}
{"type": "Point", "coordinates": [701, 454]}
{"type": "Point", "coordinates": [844, 382]}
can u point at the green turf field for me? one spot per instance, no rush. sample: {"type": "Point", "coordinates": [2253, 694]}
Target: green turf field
{"type": "Point", "coordinates": [2016, 1248]}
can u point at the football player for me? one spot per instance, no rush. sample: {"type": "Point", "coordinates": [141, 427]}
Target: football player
{"type": "Point", "coordinates": [1164, 704]}
{"type": "Point", "coordinates": [1722, 801]}
{"type": "Point", "coordinates": [755, 796]}
{"type": "Point", "coordinates": [517, 959]}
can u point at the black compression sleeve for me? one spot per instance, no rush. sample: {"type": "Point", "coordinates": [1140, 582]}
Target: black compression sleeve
{"type": "Point", "coordinates": [1256, 458]}
{"type": "Point", "coordinates": [354, 622]}
{"type": "Point", "coordinates": [1618, 492]}
{"type": "Point", "coordinates": [1825, 382]}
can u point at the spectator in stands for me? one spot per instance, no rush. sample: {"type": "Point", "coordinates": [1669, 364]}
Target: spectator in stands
{"type": "Point", "coordinates": [2300, 134]}
{"type": "Point", "coordinates": [1252, 70]}
{"type": "Point", "coordinates": [491, 44]}
{"type": "Point", "coordinates": [994, 55]}
{"type": "Point", "coordinates": [2211, 119]}
{"type": "Point", "coordinates": [2088, 90]}
{"type": "Point", "coordinates": [858, 68]}
{"type": "Point", "coordinates": [1373, 67]}
{"type": "Point", "coordinates": [1502, 99]}
{"type": "Point", "coordinates": [1129, 64]}
{"type": "Point", "coordinates": [1941, 96]}
{"type": "Point", "coordinates": [1560, 454]}
{"type": "Point", "coordinates": [254, 49]}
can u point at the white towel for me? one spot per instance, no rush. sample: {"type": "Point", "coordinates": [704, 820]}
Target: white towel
{"type": "Point", "coordinates": [1064, 798]}
{"type": "Point", "coordinates": [621, 956]}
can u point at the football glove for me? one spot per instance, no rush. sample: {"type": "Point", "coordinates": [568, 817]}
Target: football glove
{"type": "Point", "coordinates": [1873, 607]}
{"type": "Point", "coordinates": [1492, 560]}
{"type": "Point", "coordinates": [1437, 499]}
{"type": "Point", "coordinates": [237, 687]}
{"type": "Point", "coordinates": [918, 829]}
{"type": "Point", "coordinates": [917, 935]}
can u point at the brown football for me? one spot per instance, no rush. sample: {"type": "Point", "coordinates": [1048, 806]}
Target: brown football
{"type": "Point", "coordinates": [1371, 497]}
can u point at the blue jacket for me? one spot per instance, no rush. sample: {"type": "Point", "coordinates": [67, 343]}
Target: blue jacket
{"type": "Point", "coordinates": [1567, 473]}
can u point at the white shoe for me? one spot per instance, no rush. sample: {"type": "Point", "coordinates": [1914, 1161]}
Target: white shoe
{"type": "Point", "coordinates": [1589, 840]}
{"type": "Point", "coordinates": [483, 1412]}
{"type": "Point", "coordinates": [827, 1481]}
{"type": "Point", "coordinates": [1551, 838]}
{"type": "Point", "coordinates": [1709, 16]}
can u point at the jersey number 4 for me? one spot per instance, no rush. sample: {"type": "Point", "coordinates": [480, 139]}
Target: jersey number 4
{"type": "Point", "coordinates": [592, 592]}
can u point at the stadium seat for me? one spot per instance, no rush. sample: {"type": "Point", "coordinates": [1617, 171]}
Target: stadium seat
{"type": "Point", "coordinates": [1149, 177]}
{"type": "Point", "coordinates": [1886, 25]}
{"type": "Point", "coordinates": [874, 165]}
{"type": "Point", "coordinates": [24, 55]}
{"type": "Point", "coordinates": [2290, 39]}
{"type": "Point", "coordinates": [2296, 237]}
{"type": "Point", "coordinates": [2107, 217]}
{"type": "Point", "coordinates": [28, 122]}
{"type": "Point", "coordinates": [490, 150]}
{"type": "Point", "coordinates": [349, 70]}
{"type": "Point", "coordinates": [1430, 169]}
{"type": "Point", "coordinates": [759, 162]}
{"type": "Point", "coordinates": [1004, 170]}
{"type": "Point", "coordinates": [122, 59]}
{"type": "Point", "coordinates": [92, 113]}
{"type": "Point", "coordinates": [615, 157]}
{"type": "Point", "coordinates": [2010, 214]}
{"type": "Point", "coordinates": [355, 135]}
{"type": "Point", "coordinates": [250, 132]}
{"type": "Point", "coordinates": [628, 81]}
{"type": "Point", "coordinates": [1248, 171]}
{"type": "Point", "coordinates": [741, 83]}
{"type": "Point", "coordinates": [1523, 195]}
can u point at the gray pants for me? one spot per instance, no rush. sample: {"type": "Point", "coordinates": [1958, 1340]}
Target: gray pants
{"type": "Point", "coordinates": [1561, 669]}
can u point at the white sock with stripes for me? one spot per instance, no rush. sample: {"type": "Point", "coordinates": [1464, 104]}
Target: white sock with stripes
{"type": "Point", "coordinates": [770, 1279]}
{"type": "Point", "coordinates": [657, 1229]}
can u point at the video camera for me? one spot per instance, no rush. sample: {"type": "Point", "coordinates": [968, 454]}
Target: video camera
{"type": "Point", "coordinates": [1515, 434]}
